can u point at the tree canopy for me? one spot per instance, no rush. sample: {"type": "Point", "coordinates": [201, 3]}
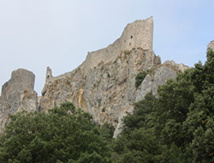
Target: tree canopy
{"type": "Point", "coordinates": [177, 125]}
{"type": "Point", "coordinates": [64, 134]}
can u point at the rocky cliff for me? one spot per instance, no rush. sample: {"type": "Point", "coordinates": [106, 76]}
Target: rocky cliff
{"type": "Point", "coordinates": [104, 84]}
{"type": "Point", "coordinates": [17, 95]}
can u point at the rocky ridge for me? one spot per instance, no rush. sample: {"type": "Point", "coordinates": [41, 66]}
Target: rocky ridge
{"type": "Point", "coordinates": [104, 84]}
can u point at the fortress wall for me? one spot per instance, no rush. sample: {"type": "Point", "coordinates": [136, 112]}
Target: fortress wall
{"type": "Point", "coordinates": [138, 34]}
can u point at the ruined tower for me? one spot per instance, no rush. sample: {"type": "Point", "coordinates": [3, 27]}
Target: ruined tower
{"type": "Point", "coordinates": [138, 34]}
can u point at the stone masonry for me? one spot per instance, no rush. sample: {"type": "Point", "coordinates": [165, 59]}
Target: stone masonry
{"type": "Point", "coordinates": [135, 35]}
{"type": "Point", "coordinates": [18, 91]}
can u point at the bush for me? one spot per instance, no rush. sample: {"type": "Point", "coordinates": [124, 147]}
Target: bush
{"type": "Point", "coordinates": [64, 134]}
{"type": "Point", "coordinates": [176, 126]}
{"type": "Point", "coordinates": [139, 78]}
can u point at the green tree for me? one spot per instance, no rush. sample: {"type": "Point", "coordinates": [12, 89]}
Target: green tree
{"type": "Point", "coordinates": [178, 126]}
{"type": "Point", "coordinates": [201, 112]}
{"type": "Point", "coordinates": [139, 78]}
{"type": "Point", "coordinates": [64, 134]}
{"type": "Point", "coordinates": [138, 142]}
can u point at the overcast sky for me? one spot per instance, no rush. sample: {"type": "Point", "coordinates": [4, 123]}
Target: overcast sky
{"type": "Point", "coordinates": [35, 34]}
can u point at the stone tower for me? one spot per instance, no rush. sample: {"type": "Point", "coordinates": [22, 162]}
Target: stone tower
{"type": "Point", "coordinates": [17, 94]}
{"type": "Point", "coordinates": [21, 80]}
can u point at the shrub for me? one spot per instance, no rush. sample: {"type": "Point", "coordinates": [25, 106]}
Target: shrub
{"type": "Point", "coordinates": [64, 134]}
{"type": "Point", "coordinates": [139, 78]}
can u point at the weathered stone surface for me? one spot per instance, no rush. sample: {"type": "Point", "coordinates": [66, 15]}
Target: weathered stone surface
{"type": "Point", "coordinates": [28, 101]}
{"type": "Point", "coordinates": [4, 120]}
{"type": "Point", "coordinates": [104, 85]}
{"type": "Point", "coordinates": [99, 83]}
{"type": "Point", "coordinates": [135, 35]}
{"type": "Point", "coordinates": [20, 81]}
{"type": "Point", "coordinates": [158, 76]}
{"type": "Point", "coordinates": [109, 87]}
{"type": "Point", "coordinates": [119, 126]}
{"type": "Point", "coordinates": [17, 95]}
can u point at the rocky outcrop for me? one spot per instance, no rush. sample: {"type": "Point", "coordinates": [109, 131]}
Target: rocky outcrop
{"type": "Point", "coordinates": [104, 85]}
{"type": "Point", "coordinates": [105, 90]}
{"type": "Point", "coordinates": [157, 76]}
{"type": "Point", "coordinates": [17, 95]}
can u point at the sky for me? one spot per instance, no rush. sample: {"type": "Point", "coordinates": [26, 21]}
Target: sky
{"type": "Point", "coordinates": [35, 34]}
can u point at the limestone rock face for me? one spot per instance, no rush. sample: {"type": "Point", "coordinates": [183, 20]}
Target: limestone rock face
{"type": "Point", "coordinates": [17, 94]}
{"type": "Point", "coordinates": [4, 120]}
{"type": "Point", "coordinates": [104, 85]}
{"type": "Point", "coordinates": [105, 90]}
{"type": "Point", "coordinates": [155, 77]}
{"type": "Point", "coordinates": [158, 76]}
{"type": "Point", "coordinates": [29, 101]}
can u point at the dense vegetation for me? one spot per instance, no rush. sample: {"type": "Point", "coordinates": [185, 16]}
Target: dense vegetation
{"type": "Point", "coordinates": [64, 134]}
{"type": "Point", "coordinates": [177, 126]}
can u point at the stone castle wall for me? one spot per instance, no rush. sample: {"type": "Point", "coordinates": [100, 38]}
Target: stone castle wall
{"type": "Point", "coordinates": [138, 34]}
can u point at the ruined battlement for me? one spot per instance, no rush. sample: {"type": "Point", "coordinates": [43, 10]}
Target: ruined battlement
{"type": "Point", "coordinates": [138, 34]}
